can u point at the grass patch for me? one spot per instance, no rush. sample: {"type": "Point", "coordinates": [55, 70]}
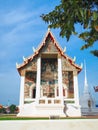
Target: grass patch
{"type": "Point", "coordinates": [5, 117]}
{"type": "Point", "coordinates": [14, 117]}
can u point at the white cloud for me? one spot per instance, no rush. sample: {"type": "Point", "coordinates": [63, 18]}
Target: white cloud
{"type": "Point", "coordinates": [16, 16]}
{"type": "Point", "coordinates": [19, 28]}
{"type": "Point", "coordinates": [18, 25]}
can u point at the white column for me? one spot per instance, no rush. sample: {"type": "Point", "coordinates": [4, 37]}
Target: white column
{"type": "Point", "coordinates": [76, 91]}
{"type": "Point", "coordinates": [41, 92]}
{"type": "Point", "coordinates": [30, 92]}
{"type": "Point", "coordinates": [38, 79]}
{"type": "Point", "coordinates": [60, 78]}
{"type": "Point", "coordinates": [66, 92]}
{"type": "Point", "coordinates": [21, 102]}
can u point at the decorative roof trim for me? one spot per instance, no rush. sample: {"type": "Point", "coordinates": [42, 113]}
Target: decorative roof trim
{"type": "Point", "coordinates": [30, 58]}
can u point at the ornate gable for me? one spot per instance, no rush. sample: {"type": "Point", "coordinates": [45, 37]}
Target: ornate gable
{"type": "Point", "coordinates": [49, 45]}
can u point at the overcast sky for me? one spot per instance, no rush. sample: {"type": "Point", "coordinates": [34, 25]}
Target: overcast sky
{"type": "Point", "coordinates": [21, 28]}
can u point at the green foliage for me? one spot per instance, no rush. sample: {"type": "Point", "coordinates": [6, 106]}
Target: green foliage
{"type": "Point", "coordinates": [2, 110]}
{"type": "Point", "coordinates": [12, 108]}
{"type": "Point", "coordinates": [95, 52]}
{"type": "Point", "coordinates": [71, 12]}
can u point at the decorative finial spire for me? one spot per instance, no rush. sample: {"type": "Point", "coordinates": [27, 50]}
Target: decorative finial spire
{"type": "Point", "coordinates": [33, 49]}
{"type": "Point", "coordinates": [64, 49]}
{"type": "Point", "coordinates": [17, 65]}
{"type": "Point", "coordinates": [48, 28]}
{"type": "Point", "coordinates": [74, 59]}
{"type": "Point", "coordinates": [24, 59]}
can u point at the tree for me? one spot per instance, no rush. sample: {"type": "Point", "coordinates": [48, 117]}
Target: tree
{"type": "Point", "coordinates": [12, 108]}
{"type": "Point", "coordinates": [2, 110]}
{"type": "Point", "coordinates": [70, 12]}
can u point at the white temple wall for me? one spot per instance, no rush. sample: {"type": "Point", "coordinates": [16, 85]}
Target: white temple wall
{"type": "Point", "coordinates": [60, 79]}
{"type": "Point", "coordinates": [38, 85]}
{"type": "Point", "coordinates": [54, 77]}
{"type": "Point", "coordinates": [21, 102]}
{"type": "Point", "coordinates": [76, 91]}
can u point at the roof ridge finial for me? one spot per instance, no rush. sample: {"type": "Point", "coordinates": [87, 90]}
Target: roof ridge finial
{"type": "Point", "coordinates": [48, 29]}
{"type": "Point", "coordinates": [64, 50]}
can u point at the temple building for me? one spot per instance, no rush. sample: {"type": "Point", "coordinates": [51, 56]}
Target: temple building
{"type": "Point", "coordinates": [49, 81]}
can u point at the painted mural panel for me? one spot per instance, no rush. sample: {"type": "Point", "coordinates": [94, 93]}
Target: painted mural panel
{"type": "Point", "coordinates": [30, 84]}
{"type": "Point", "coordinates": [32, 65]}
{"type": "Point", "coordinates": [49, 46]}
{"type": "Point", "coordinates": [66, 65]}
{"type": "Point", "coordinates": [68, 87]}
{"type": "Point", "coordinates": [49, 76]}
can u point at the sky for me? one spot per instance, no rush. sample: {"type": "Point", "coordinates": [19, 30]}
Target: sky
{"type": "Point", "coordinates": [22, 28]}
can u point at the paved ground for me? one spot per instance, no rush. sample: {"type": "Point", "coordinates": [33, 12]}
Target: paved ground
{"type": "Point", "coordinates": [91, 117]}
{"type": "Point", "coordinates": [70, 124]}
